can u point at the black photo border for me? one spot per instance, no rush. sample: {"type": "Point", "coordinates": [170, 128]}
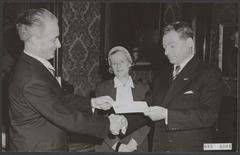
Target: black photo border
{"type": "Point", "coordinates": [154, 153]}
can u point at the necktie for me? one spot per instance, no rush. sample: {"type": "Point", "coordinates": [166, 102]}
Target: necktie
{"type": "Point", "coordinates": [176, 72]}
{"type": "Point", "coordinates": [52, 71]}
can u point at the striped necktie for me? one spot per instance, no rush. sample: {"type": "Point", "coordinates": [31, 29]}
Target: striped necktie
{"type": "Point", "coordinates": [176, 72]}
{"type": "Point", "coordinates": [52, 71]}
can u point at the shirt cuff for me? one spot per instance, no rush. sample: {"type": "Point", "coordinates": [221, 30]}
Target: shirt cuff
{"type": "Point", "coordinates": [166, 119]}
{"type": "Point", "coordinates": [133, 141]}
{"type": "Point", "coordinates": [93, 109]}
{"type": "Point", "coordinates": [92, 102]}
{"type": "Point", "coordinates": [114, 146]}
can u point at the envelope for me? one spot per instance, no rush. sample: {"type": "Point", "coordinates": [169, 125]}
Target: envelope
{"type": "Point", "coordinates": [130, 107]}
{"type": "Point", "coordinates": [189, 92]}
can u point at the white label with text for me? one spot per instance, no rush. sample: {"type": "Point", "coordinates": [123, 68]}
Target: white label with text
{"type": "Point", "coordinates": [217, 146]}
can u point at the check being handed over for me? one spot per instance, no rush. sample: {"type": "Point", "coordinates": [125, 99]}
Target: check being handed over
{"type": "Point", "coordinates": [130, 107]}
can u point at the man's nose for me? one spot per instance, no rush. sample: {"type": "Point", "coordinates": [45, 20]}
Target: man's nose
{"type": "Point", "coordinates": [58, 44]}
{"type": "Point", "coordinates": [166, 52]}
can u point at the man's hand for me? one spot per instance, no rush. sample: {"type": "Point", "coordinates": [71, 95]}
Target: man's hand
{"type": "Point", "coordinates": [156, 113]}
{"type": "Point", "coordinates": [117, 122]}
{"type": "Point", "coordinates": [103, 102]}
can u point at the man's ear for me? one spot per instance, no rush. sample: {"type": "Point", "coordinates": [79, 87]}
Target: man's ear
{"type": "Point", "coordinates": [189, 42]}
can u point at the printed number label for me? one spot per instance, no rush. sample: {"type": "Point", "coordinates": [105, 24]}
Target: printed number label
{"type": "Point", "coordinates": [217, 146]}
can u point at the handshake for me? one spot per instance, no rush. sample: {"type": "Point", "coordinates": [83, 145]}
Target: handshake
{"type": "Point", "coordinates": [117, 122]}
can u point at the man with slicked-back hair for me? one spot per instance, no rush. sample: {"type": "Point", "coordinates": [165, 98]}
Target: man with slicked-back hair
{"type": "Point", "coordinates": [186, 95]}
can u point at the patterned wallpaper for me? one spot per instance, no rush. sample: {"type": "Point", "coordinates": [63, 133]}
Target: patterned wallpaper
{"type": "Point", "coordinates": [81, 45]}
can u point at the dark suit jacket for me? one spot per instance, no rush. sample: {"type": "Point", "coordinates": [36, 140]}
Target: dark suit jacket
{"type": "Point", "coordinates": [192, 100]}
{"type": "Point", "coordinates": [135, 121]}
{"type": "Point", "coordinates": [41, 114]}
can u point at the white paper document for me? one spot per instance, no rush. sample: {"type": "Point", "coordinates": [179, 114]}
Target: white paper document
{"type": "Point", "coordinates": [130, 107]}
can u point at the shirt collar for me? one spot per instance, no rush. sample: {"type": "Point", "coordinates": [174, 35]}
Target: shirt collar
{"type": "Point", "coordinates": [118, 83]}
{"type": "Point", "coordinates": [46, 63]}
{"type": "Point", "coordinates": [183, 64]}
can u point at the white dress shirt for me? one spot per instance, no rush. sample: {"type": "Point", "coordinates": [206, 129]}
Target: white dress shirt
{"type": "Point", "coordinates": [124, 91]}
{"type": "Point", "coordinates": [183, 64]}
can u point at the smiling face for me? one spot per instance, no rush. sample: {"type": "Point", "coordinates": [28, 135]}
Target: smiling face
{"type": "Point", "coordinates": [177, 49]}
{"type": "Point", "coordinates": [120, 64]}
{"type": "Point", "coordinates": [48, 42]}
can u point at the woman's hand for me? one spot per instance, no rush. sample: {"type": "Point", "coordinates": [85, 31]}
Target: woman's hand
{"type": "Point", "coordinates": [103, 102]}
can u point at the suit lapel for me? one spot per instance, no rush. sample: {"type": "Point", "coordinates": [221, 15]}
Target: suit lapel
{"type": "Point", "coordinates": [135, 93]}
{"type": "Point", "coordinates": [42, 69]}
{"type": "Point", "coordinates": [182, 80]}
{"type": "Point", "coordinates": [112, 91]}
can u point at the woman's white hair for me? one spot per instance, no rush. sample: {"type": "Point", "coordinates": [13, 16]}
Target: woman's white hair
{"type": "Point", "coordinates": [117, 49]}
